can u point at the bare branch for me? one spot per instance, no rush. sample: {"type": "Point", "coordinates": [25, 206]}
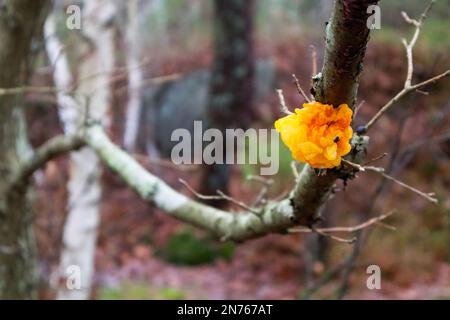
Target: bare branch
{"type": "Point", "coordinates": [313, 61]}
{"type": "Point", "coordinates": [353, 165]}
{"type": "Point", "coordinates": [294, 169]}
{"type": "Point", "coordinates": [220, 196]}
{"type": "Point", "coordinates": [273, 217]}
{"type": "Point", "coordinates": [336, 238]}
{"type": "Point", "coordinates": [408, 87]}
{"type": "Point", "coordinates": [402, 93]}
{"type": "Point", "coordinates": [27, 89]}
{"type": "Point", "coordinates": [283, 105]}
{"type": "Point", "coordinates": [267, 183]}
{"type": "Point", "coordinates": [313, 66]}
{"type": "Point", "coordinates": [429, 196]}
{"type": "Point", "coordinates": [381, 156]}
{"type": "Point", "coordinates": [358, 227]}
{"type": "Point", "coordinates": [357, 167]}
{"type": "Point", "coordinates": [358, 107]}
{"type": "Point", "coordinates": [299, 88]}
{"type": "Point", "coordinates": [431, 80]}
{"type": "Point", "coordinates": [49, 150]}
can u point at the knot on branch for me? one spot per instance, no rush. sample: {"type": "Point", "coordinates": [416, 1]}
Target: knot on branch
{"type": "Point", "coordinates": [357, 155]}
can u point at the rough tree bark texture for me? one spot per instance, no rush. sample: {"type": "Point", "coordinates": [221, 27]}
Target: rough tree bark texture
{"type": "Point", "coordinates": [231, 89]}
{"type": "Point", "coordinates": [346, 41]}
{"type": "Point", "coordinates": [20, 20]}
{"type": "Point", "coordinates": [80, 230]}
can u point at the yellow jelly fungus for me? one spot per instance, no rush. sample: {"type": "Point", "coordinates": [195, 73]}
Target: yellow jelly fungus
{"type": "Point", "coordinates": [317, 134]}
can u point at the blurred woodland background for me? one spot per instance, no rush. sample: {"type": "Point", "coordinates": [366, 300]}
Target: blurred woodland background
{"type": "Point", "coordinates": [170, 62]}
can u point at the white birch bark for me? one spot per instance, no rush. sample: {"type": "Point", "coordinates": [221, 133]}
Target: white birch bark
{"type": "Point", "coordinates": [133, 109]}
{"type": "Point", "coordinates": [79, 236]}
{"type": "Point", "coordinates": [67, 107]}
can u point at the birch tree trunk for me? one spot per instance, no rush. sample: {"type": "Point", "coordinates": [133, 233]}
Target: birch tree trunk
{"type": "Point", "coordinates": [20, 20]}
{"type": "Point", "coordinates": [133, 110]}
{"type": "Point", "coordinates": [84, 187]}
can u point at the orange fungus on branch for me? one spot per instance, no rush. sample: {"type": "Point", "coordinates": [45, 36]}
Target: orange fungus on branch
{"type": "Point", "coordinates": [317, 134]}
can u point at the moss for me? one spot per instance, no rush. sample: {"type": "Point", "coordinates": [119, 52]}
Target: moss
{"type": "Point", "coordinates": [429, 169]}
{"type": "Point", "coordinates": [185, 248]}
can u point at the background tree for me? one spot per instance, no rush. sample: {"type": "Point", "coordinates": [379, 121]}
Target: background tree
{"type": "Point", "coordinates": [133, 109]}
{"type": "Point", "coordinates": [94, 96]}
{"type": "Point", "coordinates": [20, 23]}
{"type": "Point", "coordinates": [231, 92]}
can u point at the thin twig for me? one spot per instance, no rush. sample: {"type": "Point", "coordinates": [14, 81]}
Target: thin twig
{"type": "Point", "coordinates": [283, 105]}
{"type": "Point", "coordinates": [336, 238]}
{"type": "Point", "coordinates": [237, 202]}
{"type": "Point", "coordinates": [119, 73]}
{"type": "Point", "coordinates": [53, 90]}
{"type": "Point", "coordinates": [429, 196]}
{"type": "Point", "coordinates": [358, 107]}
{"type": "Point", "coordinates": [363, 235]}
{"type": "Point", "coordinates": [150, 82]}
{"type": "Point", "coordinates": [27, 89]}
{"type": "Point", "coordinates": [299, 88]}
{"type": "Point", "coordinates": [313, 60]}
{"type": "Point", "coordinates": [408, 87]}
{"type": "Point", "coordinates": [294, 169]}
{"type": "Point", "coordinates": [425, 93]}
{"type": "Point", "coordinates": [375, 220]}
{"type": "Point", "coordinates": [385, 225]}
{"type": "Point", "coordinates": [429, 81]}
{"type": "Point", "coordinates": [403, 92]}
{"type": "Point", "coordinates": [353, 165]}
{"type": "Point", "coordinates": [50, 149]}
{"type": "Point", "coordinates": [381, 156]}
{"type": "Point", "coordinates": [313, 66]}
{"type": "Point", "coordinates": [220, 196]}
{"type": "Point", "coordinates": [267, 183]}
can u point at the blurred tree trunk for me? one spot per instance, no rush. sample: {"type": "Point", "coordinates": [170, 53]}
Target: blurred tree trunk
{"type": "Point", "coordinates": [133, 110]}
{"type": "Point", "coordinates": [231, 89]}
{"type": "Point", "coordinates": [20, 20]}
{"type": "Point", "coordinates": [80, 230]}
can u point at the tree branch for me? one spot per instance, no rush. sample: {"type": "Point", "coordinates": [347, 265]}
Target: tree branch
{"type": "Point", "coordinates": [49, 150]}
{"type": "Point", "coordinates": [358, 227]}
{"type": "Point", "coordinates": [284, 107]}
{"type": "Point", "coordinates": [273, 217]}
{"type": "Point", "coordinates": [300, 89]}
{"type": "Point", "coordinates": [346, 40]}
{"type": "Point", "coordinates": [408, 87]}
